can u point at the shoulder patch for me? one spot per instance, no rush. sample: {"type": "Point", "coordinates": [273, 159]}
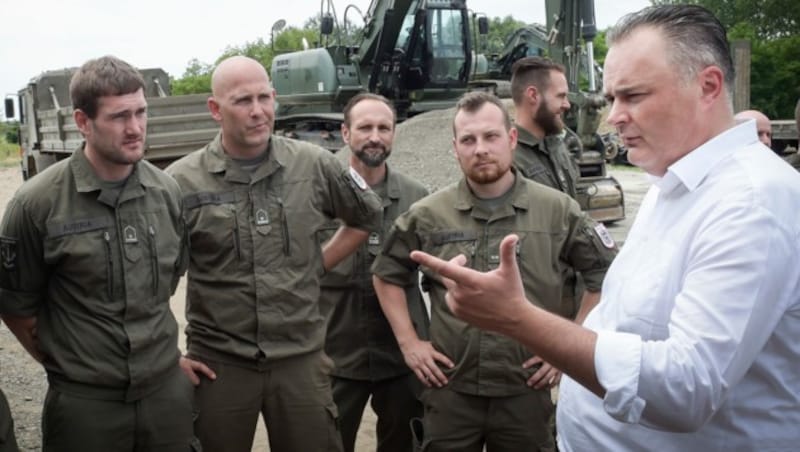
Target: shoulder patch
{"type": "Point", "coordinates": [360, 182]}
{"type": "Point", "coordinates": [604, 235]}
{"type": "Point", "coordinates": [8, 253]}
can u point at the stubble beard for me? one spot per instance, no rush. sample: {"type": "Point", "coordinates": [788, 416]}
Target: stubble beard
{"type": "Point", "coordinates": [487, 174]}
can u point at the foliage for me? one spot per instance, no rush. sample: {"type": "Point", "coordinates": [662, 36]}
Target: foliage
{"type": "Point", "coordinates": [197, 76]}
{"type": "Point", "coordinates": [500, 29]}
{"type": "Point", "coordinates": [196, 79]}
{"type": "Point", "coordinates": [775, 76]}
{"type": "Point", "coordinates": [9, 131]}
{"type": "Point", "coordinates": [769, 18]}
{"type": "Point", "coordinates": [772, 28]}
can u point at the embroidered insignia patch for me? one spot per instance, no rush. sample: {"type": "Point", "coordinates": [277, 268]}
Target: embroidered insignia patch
{"type": "Point", "coordinates": [129, 234]}
{"type": "Point", "coordinates": [8, 253]}
{"type": "Point", "coordinates": [374, 238]}
{"type": "Point", "coordinates": [604, 235]}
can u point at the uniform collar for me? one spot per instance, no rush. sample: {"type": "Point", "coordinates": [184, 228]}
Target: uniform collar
{"type": "Point", "coordinates": [467, 201]}
{"type": "Point", "coordinates": [86, 179]}
{"type": "Point", "coordinates": [527, 138]}
{"type": "Point", "coordinates": [220, 163]}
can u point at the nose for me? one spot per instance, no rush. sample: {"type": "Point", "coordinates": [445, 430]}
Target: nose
{"type": "Point", "coordinates": [136, 125]}
{"type": "Point", "coordinates": [616, 115]}
{"type": "Point", "coordinates": [565, 105]}
{"type": "Point", "coordinates": [374, 135]}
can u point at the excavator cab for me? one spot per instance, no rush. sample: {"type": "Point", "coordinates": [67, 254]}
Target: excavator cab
{"type": "Point", "coordinates": [416, 53]}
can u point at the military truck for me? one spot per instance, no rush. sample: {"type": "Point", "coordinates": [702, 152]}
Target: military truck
{"type": "Point", "coordinates": [176, 125]}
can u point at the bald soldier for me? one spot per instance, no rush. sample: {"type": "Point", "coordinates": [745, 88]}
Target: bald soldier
{"type": "Point", "coordinates": [763, 126]}
{"type": "Point", "coordinates": [253, 204]}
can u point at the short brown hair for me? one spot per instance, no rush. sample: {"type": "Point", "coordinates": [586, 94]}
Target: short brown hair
{"type": "Point", "coordinates": [104, 76]}
{"type": "Point", "coordinates": [475, 100]}
{"type": "Point", "coordinates": [531, 71]}
{"type": "Point", "coordinates": [366, 96]}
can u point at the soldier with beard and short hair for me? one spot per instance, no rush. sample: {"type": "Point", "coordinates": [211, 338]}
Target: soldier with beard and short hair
{"type": "Point", "coordinates": [478, 391]}
{"type": "Point", "coordinates": [368, 362]}
{"type": "Point", "coordinates": [539, 88]}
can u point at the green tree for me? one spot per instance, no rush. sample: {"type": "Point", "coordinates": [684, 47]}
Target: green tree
{"type": "Point", "coordinates": [500, 30]}
{"type": "Point", "coordinates": [196, 79]}
{"type": "Point", "coordinates": [768, 18]}
{"type": "Point", "coordinates": [197, 76]}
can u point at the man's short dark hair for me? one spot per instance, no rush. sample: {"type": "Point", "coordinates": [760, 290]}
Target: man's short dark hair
{"type": "Point", "coordinates": [531, 71]}
{"type": "Point", "coordinates": [474, 101]}
{"type": "Point", "coordinates": [104, 76]}
{"type": "Point", "coordinates": [366, 96]}
{"type": "Point", "coordinates": [696, 38]}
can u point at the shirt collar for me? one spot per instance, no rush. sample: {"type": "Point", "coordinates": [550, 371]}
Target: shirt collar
{"type": "Point", "coordinates": [692, 169]}
{"type": "Point", "coordinates": [220, 162]}
{"type": "Point", "coordinates": [466, 199]}
{"type": "Point", "coordinates": [86, 180]}
{"type": "Point", "coordinates": [525, 137]}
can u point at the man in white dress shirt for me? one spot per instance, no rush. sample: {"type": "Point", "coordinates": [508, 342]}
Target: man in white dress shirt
{"type": "Point", "coordinates": [695, 344]}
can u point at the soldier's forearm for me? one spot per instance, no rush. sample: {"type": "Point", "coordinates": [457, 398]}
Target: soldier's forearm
{"type": "Point", "coordinates": [342, 244]}
{"type": "Point", "coordinates": [24, 328]}
{"type": "Point", "coordinates": [392, 299]}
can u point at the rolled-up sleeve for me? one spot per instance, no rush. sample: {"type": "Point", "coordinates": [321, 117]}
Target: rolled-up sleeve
{"type": "Point", "coordinates": [23, 274]}
{"type": "Point", "coordinates": [675, 373]}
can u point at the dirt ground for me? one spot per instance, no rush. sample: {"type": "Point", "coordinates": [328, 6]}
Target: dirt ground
{"type": "Point", "coordinates": [23, 380]}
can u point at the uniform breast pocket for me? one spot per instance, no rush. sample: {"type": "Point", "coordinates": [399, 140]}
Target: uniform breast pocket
{"type": "Point", "coordinates": [215, 236]}
{"type": "Point", "coordinates": [85, 249]}
{"type": "Point", "coordinates": [449, 244]}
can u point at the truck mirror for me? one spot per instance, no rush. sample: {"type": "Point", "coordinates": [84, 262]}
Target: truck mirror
{"type": "Point", "coordinates": [483, 25]}
{"type": "Point", "coordinates": [9, 108]}
{"type": "Point", "coordinates": [326, 25]}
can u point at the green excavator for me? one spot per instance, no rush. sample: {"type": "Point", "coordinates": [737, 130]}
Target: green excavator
{"type": "Point", "coordinates": [415, 52]}
{"type": "Point", "coordinates": [568, 39]}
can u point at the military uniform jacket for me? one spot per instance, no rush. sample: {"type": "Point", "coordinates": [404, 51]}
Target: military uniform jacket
{"type": "Point", "coordinates": [255, 263]}
{"type": "Point", "coordinates": [553, 234]}
{"type": "Point", "coordinates": [97, 272]}
{"type": "Point", "coordinates": [360, 340]}
{"type": "Point", "coordinates": [546, 161]}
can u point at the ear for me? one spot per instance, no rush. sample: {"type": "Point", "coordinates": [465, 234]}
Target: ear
{"type": "Point", "coordinates": [213, 107]}
{"type": "Point", "coordinates": [345, 134]}
{"type": "Point", "coordinates": [513, 134]}
{"type": "Point", "coordinates": [712, 84]}
{"type": "Point", "coordinates": [532, 94]}
{"type": "Point", "coordinates": [82, 121]}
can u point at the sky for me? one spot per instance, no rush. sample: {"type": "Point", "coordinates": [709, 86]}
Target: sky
{"type": "Point", "coordinates": [41, 35]}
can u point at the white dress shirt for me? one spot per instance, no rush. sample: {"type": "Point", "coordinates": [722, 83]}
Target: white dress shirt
{"type": "Point", "coordinates": [699, 322]}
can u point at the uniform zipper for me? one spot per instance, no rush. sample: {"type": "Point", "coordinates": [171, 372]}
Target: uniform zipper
{"type": "Point", "coordinates": [110, 266]}
{"type": "Point", "coordinates": [153, 257]}
{"type": "Point", "coordinates": [284, 228]}
{"type": "Point", "coordinates": [236, 240]}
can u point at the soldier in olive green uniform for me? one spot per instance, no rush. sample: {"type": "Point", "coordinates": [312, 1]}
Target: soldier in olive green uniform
{"type": "Point", "coordinates": [92, 249]}
{"type": "Point", "coordinates": [368, 362]}
{"type": "Point", "coordinates": [254, 203]}
{"type": "Point", "coordinates": [539, 88]}
{"type": "Point", "coordinates": [480, 392]}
